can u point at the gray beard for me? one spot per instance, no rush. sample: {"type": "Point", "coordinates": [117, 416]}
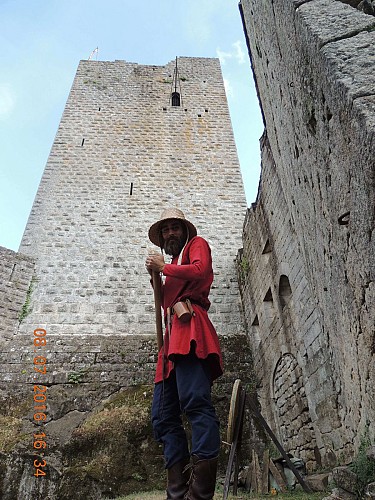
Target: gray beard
{"type": "Point", "coordinates": [173, 247]}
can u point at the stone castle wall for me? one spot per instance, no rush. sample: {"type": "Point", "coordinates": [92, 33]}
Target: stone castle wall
{"type": "Point", "coordinates": [16, 273]}
{"type": "Point", "coordinates": [308, 257]}
{"type": "Point", "coordinates": [121, 155]}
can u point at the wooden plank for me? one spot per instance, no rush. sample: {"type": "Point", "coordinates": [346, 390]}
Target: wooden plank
{"type": "Point", "coordinates": [157, 299]}
{"type": "Point", "coordinates": [265, 469]}
{"type": "Point", "coordinates": [277, 477]}
{"type": "Point", "coordinates": [258, 475]}
{"type": "Point", "coordinates": [248, 479]}
{"type": "Point", "coordinates": [267, 428]}
{"type": "Point", "coordinates": [240, 419]}
{"type": "Point", "coordinates": [236, 471]}
{"type": "Point", "coordinates": [233, 447]}
{"type": "Point", "coordinates": [254, 485]}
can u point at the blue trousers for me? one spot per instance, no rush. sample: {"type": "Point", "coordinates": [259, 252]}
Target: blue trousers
{"type": "Point", "coordinates": [187, 390]}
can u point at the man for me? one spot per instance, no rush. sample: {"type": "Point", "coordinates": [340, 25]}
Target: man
{"type": "Point", "coordinates": [189, 361]}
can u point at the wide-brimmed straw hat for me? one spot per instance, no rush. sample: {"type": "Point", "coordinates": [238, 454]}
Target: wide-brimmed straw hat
{"type": "Point", "coordinates": [154, 232]}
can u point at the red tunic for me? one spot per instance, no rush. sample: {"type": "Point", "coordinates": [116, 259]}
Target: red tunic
{"type": "Point", "coordinates": [190, 280]}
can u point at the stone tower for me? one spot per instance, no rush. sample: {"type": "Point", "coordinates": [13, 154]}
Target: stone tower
{"type": "Point", "coordinates": [123, 152]}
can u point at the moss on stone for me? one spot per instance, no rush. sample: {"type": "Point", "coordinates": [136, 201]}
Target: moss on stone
{"type": "Point", "coordinates": [12, 423]}
{"type": "Point", "coordinates": [27, 305]}
{"type": "Point", "coordinates": [10, 433]}
{"type": "Point", "coordinates": [114, 446]}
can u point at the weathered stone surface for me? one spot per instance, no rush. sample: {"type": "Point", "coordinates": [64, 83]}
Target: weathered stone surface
{"type": "Point", "coordinates": [328, 21]}
{"type": "Point", "coordinates": [370, 491]}
{"type": "Point", "coordinates": [371, 452]}
{"type": "Point", "coordinates": [339, 494]}
{"type": "Point", "coordinates": [307, 265]}
{"type": "Point", "coordinates": [345, 478]}
{"type": "Point", "coordinates": [16, 282]}
{"type": "Point", "coordinates": [107, 449]}
{"type": "Point", "coordinates": [318, 482]}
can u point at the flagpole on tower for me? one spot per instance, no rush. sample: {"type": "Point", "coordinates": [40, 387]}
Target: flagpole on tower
{"type": "Point", "coordinates": [95, 51]}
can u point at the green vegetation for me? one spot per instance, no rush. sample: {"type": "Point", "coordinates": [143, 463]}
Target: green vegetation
{"type": "Point", "coordinates": [11, 425]}
{"type": "Point", "coordinates": [363, 467]}
{"type": "Point", "coordinates": [10, 433]}
{"type": "Point", "coordinates": [243, 267]}
{"type": "Point", "coordinates": [76, 377]}
{"type": "Point", "coordinates": [115, 444]}
{"type": "Point", "coordinates": [26, 307]}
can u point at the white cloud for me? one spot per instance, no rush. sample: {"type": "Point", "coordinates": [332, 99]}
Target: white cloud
{"type": "Point", "coordinates": [237, 53]}
{"type": "Point", "coordinates": [228, 88]}
{"type": "Point", "coordinates": [7, 101]}
{"type": "Point", "coordinates": [240, 54]}
{"type": "Point", "coordinates": [223, 56]}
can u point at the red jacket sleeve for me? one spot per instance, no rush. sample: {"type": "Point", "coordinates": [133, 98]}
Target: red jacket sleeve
{"type": "Point", "coordinates": [200, 263]}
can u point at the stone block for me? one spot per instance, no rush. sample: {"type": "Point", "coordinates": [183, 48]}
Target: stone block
{"type": "Point", "coordinates": [370, 453]}
{"type": "Point", "coordinates": [318, 482]}
{"type": "Point", "coordinates": [340, 494]}
{"type": "Point", "coordinates": [370, 491]}
{"type": "Point", "coordinates": [345, 479]}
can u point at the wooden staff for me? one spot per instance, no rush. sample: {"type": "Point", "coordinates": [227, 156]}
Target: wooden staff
{"type": "Point", "coordinates": [157, 298]}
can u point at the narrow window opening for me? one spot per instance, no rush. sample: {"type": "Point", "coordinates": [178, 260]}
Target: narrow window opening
{"type": "Point", "coordinates": [176, 100]}
{"type": "Point", "coordinates": [83, 142]}
{"type": "Point", "coordinates": [285, 291]}
{"type": "Point", "coordinates": [206, 110]}
{"type": "Point", "coordinates": [131, 188]}
{"type": "Point", "coordinates": [255, 322]}
{"type": "Point", "coordinates": [267, 247]}
{"type": "Point", "coordinates": [11, 274]}
{"type": "Point", "coordinates": [99, 108]}
{"type": "Point", "coordinates": [199, 116]}
{"type": "Point", "coordinates": [344, 219]}
{"type": "Point", "coordinates": [255, 331]}
{"type": "Point", "coordinates": [268, 308]}
{"type": "Point", "coordinates": [268, 296]}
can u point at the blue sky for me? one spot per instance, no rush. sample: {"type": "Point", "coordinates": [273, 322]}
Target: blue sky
{"type": "Point", "coordinates": [42, 43]}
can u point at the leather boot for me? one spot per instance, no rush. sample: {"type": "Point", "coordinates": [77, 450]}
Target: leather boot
{"type": "Point", "coordinates": [203, 479]}
{"type": "Point", "coordinates": [178, 477]}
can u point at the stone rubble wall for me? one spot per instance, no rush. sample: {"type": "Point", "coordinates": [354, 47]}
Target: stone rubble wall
{"type": "Point", "coordinates": [16, 273]}
{"type": "Point", "coordinates": [314, 67]}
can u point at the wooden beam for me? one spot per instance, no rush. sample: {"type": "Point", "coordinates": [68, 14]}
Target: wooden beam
{"type": "Point", "coordinates": [265, 470]}
{"type": "Point", "coordinates": [277, 477]}
{"type": "Point", "coordinates": [267, 428]}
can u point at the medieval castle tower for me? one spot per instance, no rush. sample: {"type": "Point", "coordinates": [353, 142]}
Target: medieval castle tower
{"type": "Point", "coordinates": [134, 139]}
{"type": "Point", "coordinates": [122, 153]}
